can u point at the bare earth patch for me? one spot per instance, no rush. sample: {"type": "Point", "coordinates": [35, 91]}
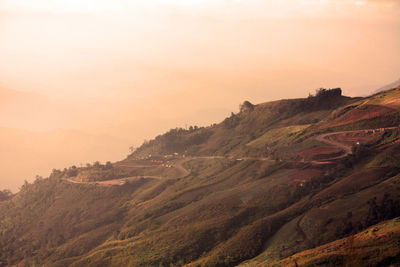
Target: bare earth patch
{"type": "Point", "coordinates": [302, 176]}
{"type": "Point", "coordinates": [361, 113]}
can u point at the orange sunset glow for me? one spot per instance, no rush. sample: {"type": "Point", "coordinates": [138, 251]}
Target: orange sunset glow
{"type": "Point", "coordinates": [83, 80]}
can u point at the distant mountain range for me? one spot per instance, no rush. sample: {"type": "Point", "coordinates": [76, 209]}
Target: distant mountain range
{"type": "Point", "coordinates": [388, 86]}
{"type": "Point", "coordinates": [40, 152]}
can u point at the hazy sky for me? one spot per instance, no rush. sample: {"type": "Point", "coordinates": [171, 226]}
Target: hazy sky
{"type": "Point", "coordinates": [132, 69]}
{"type": "Point", "coordinates": [128, 55]}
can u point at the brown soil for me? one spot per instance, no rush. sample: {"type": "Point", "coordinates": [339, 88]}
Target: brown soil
{"type": "Point", "coordinates": [111, 182]}
{"type": "Point", "coordinates": [361, 113]}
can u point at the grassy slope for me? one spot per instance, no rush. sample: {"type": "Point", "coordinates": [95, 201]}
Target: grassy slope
{"type": "Point", "coordinates": [278, 137]}
{"type": "Point", "coordinates": [375, 246]}
{"type": "Point", "coordinates": [324, 222]}
{"type": "Point", "coordinates": [224, 212]}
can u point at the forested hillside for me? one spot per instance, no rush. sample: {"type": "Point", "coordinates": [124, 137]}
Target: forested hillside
{"type": "Point", "coordinates": [273, 180]}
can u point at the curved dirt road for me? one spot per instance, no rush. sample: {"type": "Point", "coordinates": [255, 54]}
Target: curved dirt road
{"type": "Point", "coordinates": [119, 181]}
{"type": "Point", "coordinates": [346, 148]}
{"type": "Point", "coordinates": [177, 165]}
{"type": "Point", "coordinates": [184, 172]}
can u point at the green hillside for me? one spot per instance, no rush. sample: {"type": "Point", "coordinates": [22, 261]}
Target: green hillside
{"type": "Point", "coordinates": [268, 182]}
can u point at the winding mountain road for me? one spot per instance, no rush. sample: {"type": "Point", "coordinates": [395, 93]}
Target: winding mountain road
{"type": "Point", "coordinates": [346, 148]}
{"type": "Point", "coordinates": [177, 165]}
{"type": "Point", "coordinates": [119, 181]}
{"type": "Point", "coordinates": [324, 138]}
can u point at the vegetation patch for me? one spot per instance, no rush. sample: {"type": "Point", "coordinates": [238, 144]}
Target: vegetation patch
{"type": "Point", "coordinates": [278, 137]}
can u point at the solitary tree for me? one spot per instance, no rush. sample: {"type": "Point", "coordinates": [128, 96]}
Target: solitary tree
{"type": "Point", "coordinates": [108, 165]}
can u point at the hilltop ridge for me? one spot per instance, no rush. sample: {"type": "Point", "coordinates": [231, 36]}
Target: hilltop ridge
{"type": "Point", "coordinates": [235, 132]}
